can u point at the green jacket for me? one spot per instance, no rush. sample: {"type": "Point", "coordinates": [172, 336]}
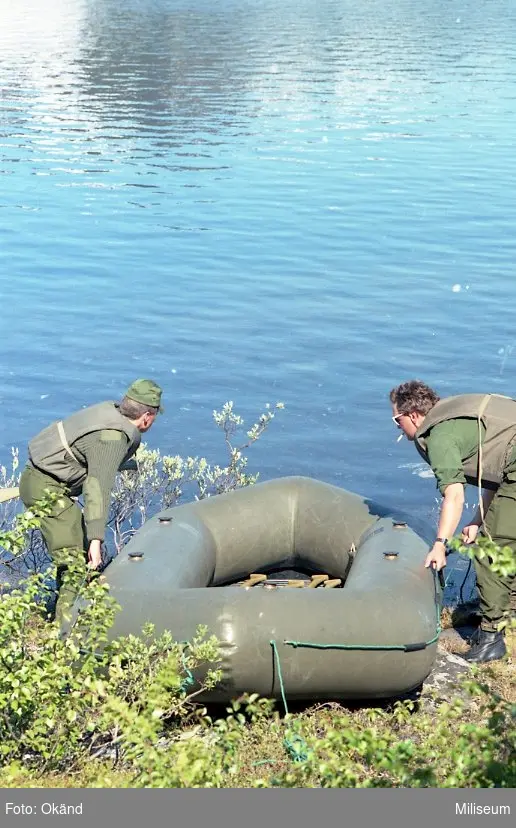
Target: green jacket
{"type": "Point", "coordinates": [51, 450]}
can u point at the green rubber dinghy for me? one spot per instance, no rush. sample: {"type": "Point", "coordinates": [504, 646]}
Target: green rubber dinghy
{"type": "Point", "coordinates": [356, 616]}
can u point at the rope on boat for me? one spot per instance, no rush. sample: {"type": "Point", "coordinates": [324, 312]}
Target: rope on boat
{"type": "Point", "coordinates": [295, 745]}
{"type": "Point", "coordinates": [407, 648]}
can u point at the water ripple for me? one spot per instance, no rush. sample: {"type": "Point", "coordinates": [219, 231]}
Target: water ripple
{"type": "Point", "coordinates": [272, 201]}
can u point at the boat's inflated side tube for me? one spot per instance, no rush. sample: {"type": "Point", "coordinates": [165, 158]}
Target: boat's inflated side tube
{"type": "Point", "coordinates": [373, 638]}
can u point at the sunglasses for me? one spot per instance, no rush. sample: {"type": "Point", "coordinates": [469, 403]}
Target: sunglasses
{"type": "Point", "coordinates": [396, 418]}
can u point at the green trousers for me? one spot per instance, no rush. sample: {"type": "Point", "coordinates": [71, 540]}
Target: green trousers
{"type": "Point", "coordinates": [500, 525]}
{"type": "Point", "coordinates": [62, 530]}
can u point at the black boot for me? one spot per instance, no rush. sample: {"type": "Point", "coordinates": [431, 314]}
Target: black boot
{"type": "Point", "coordinates": [487, 646]}
{"type": "Point", "coordinates": [473, 638]}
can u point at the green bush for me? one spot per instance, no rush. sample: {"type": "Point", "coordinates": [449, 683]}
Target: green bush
{"type": "Point", "coordinates": [66, 699]}
{"type": "Point", "coordinates": [503, 562]}
{"type": "Point", "coordinates": [160, 481]}
{"type": "Point", "coordinates": [441, 750]}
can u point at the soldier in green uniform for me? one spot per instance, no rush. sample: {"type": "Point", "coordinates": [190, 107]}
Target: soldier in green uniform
{"type": "Point", "coordinates": [469, 438]}
{"type": "Point", "coordinates": [81, 455]}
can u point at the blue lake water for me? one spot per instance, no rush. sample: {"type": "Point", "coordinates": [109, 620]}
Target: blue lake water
{"type": "Point", "coordinates": [307, 201]}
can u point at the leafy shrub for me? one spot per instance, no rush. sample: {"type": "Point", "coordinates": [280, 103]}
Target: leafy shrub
{"type": "Point", "coordinates": [441, 750]}
{"type": "Point", "coordinates": [64, 699]}
{"type": "Point", "coordinates": [160, 482]}
{"type": "Point", "coordinates": [503, 562]}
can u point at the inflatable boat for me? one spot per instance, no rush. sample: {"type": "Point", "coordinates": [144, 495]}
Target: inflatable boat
{"type": "Point", "coordinates": [311, 590]}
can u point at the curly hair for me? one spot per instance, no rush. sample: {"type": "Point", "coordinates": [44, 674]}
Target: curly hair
{"type": "Point", "coordinates": [413, 395]}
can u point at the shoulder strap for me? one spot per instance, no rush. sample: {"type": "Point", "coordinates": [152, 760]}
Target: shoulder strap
{"type": "Point", "coordinates": [483, 405]}
{"type": "Point", "coordinates": [64, 441]}
{"type": "Point", "coordinates": [481, 409]}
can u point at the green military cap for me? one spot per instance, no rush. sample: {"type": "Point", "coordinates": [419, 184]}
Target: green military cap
{"type": "Point", "coordinates": [147, 392]}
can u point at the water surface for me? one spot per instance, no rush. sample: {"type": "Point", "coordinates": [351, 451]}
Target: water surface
{"type": "Point", "coordinates": [304, 201]}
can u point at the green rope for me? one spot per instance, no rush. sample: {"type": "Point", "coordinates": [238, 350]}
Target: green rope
{"type": "Point", "coordinates": [280, 677]}
{"type": "Point", "coordinates": [403, 647]}
{"type": "Point", "coordinates": [188, 680]}
{"type": "Point", "coordinates": [295, 745]}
